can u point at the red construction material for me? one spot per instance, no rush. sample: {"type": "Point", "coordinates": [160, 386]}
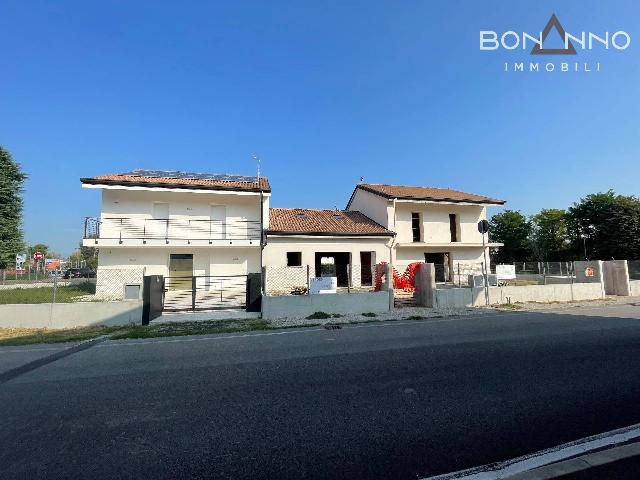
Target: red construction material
{"type": "Point", "coordinates": [405, 282]}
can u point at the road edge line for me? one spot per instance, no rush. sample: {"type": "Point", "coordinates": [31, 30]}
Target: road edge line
{"type": "Point", "coordinates": [524, 463]}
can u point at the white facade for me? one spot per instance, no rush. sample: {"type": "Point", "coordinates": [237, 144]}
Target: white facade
{"type": "Point", "coordinates": [281, 276]}
{"type": "Point", "coordinates": [183, 232]}
{"type": "Point", "coordinates": [141, 229]}
{"type": "Point", "coordinates": [448, 231]}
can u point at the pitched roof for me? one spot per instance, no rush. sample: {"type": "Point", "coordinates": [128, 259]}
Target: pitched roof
{"type": "Point", "coordinates": [305, 221]}
{"type": "Point", "coordinates": [405, 192]}
{"type": "Point", "coordinates": [175, 179]}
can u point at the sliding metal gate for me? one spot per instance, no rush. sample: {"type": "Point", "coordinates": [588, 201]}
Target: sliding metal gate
{"type": "Point", "coordinates": [199, 293]}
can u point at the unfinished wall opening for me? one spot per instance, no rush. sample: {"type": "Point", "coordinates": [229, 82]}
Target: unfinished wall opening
{"type": "Point", "coordinates": [454, 227]}
{"type": "Point", "coordinates": [366, 268]}
{"type": "Point", "coordinates": [415, 226]}
{"type": "Point", "coordinates": [334, 264]}
{"type": "Point", "coordinates": [294, 259]}
{"type": "Point", "coordinates": [441, 262]}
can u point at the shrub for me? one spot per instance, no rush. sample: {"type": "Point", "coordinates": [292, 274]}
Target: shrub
{"type": "Point", "coordinates": [318, 316]}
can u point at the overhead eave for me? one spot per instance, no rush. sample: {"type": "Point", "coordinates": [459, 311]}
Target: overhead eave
{"type": "Point", "coordinates": [448, 245]}
{"type": "Point", "coordinates": [329, 235]}
{"type": "Point", "coordinates": [451, 202]}
{"type": "Point", "coordinates": [152, 188]}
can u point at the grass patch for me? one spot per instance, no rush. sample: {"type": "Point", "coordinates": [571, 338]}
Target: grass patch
{"type": "Point", "coordinates": [66, 294]}
{"type": "Point", "coordinates": [30, 336]}
{"type": "Point", "coordinates": [318, 316]}
{"type": "Point", "coordinates": [369, 314]}
{"type": "Point", "coordinates": [337, 315]}
{"type": "Point", "coordinates": [190, 328]}
{"type": "Point", "coordinates": [512, 306]}
{"type": "Point", "coordinates": [415, 317]}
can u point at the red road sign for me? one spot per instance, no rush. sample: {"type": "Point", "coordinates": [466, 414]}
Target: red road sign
{"type": "Point", "coordinates": [37, 256]}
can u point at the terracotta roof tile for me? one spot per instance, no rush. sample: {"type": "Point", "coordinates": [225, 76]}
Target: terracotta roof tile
{"type": "Point", "coordinates": [145, 178]}
{"type": "Point", "coordinates": [406, 192]}
{"type": "Point", "coordinates": [304, 221]}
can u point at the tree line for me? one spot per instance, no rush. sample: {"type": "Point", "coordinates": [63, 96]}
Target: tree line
{"type": "Point", "coordinates": [12, 180]}
{"type": "Point", "coordinates": [601, 226]}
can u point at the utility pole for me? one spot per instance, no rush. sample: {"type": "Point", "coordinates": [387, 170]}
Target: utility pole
{"type": "Point", "coordinates": [483, 228]}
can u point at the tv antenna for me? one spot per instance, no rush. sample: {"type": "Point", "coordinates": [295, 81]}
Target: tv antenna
{"type": "Point", "coordinates": [257, 159]}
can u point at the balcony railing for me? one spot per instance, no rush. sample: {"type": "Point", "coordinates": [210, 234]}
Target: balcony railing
{"type": "Point", "coordinates": [168, 229]}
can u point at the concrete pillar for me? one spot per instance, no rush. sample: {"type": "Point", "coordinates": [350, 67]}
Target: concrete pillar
{"type": "Point", "coordinates": [615, 275]}
{"type": "Point", "coordinates": [388, 285]}
{"type": "Point", "coordinates": [425, 281]}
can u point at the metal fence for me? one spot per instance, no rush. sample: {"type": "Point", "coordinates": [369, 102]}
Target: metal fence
{"type": "Point", "coordinates": [50, 291]}
{"type": "Point", "coordinates": [202, 293]}
{"type": "Point", "coordinates": [540, 273]}
{"type": "Point", "coordinates": [283, 280]}
{"type": "Point", "coordinates": [128, 228]}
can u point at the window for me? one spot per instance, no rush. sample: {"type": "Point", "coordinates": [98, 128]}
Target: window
{"type": "Point", "coordinates": [415, 226]}
{"type": "Point", "coordinates": [294, 259]}
{"type": "Point", "coordinates": [453, 226]}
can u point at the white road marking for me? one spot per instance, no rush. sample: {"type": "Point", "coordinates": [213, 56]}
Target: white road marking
{"type": "Point", "coordinates": [508, 468]}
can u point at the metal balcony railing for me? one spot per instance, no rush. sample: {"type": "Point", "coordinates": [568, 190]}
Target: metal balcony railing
{"type": "Point", "coordinates": [168, 229]}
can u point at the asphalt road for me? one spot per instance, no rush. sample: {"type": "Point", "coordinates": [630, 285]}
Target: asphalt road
{"type": "Point", "coordinates": [396, 400]}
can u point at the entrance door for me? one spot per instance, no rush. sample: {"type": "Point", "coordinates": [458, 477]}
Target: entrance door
{"type": "Point", "coordinates": [180, 271]}
{"type": "Point", "coordinates": [440, 261]}
{"type": "Point", "coordinates": [366, 273]}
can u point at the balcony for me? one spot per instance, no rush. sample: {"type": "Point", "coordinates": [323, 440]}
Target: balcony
{"type": "Point", "coordinates": [179, 231]}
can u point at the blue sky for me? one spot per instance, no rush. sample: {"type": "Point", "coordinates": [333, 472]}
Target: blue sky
{"type": "Point", "coordinates": [324, 92]}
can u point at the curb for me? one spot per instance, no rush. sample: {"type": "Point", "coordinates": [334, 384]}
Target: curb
{"type": "Point", "coordinates": [27, 367]}
{"type": "Point", "coordinates": [516, 468]}
{"type": "Point", "coordinates": [578, 464]}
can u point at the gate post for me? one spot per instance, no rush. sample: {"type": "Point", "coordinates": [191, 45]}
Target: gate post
{"type": "Point", "coordinates": [254, 292]}
{"type": "Point", "coordinates": [152, 297]}
{"type": "Point", "coordinates": [193, 293]}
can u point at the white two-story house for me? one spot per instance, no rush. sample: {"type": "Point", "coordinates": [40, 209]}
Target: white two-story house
{"type": "Point", "coordinates": [433, 225]}
{"type": "Point", "coordinates": [205, 233]}
{"type": "Point", "coordinates": [182, 226]}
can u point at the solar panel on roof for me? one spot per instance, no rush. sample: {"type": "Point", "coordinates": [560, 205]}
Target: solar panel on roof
{"type": "Point", "coordinates": [191, 175]}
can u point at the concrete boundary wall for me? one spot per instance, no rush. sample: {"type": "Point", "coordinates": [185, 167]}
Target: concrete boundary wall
{"type": "Point", "coordinates": [616, 277]}
{"type": "Point", "coordinates": [470, 297]}
{"type": "Point", "coordinates": [634, 286]}
{"type": "Point", "coordinates": [69, 315]}
{"type": "Point", "coordinates": [296, 306]}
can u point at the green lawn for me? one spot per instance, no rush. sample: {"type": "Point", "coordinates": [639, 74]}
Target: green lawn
{"type": "Point", "coordinates": [29, 336]}
{"type": "Point", "coordinates": [66, 294]}
{"type": "Point", "coordinates": [190, 328]}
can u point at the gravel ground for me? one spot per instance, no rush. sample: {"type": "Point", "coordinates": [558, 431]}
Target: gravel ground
{"type": "Point", "coordinates": [578, 304]}
{"type": "Point", "coordinates": [407, 313]}
{"type": "Point", "coordinates": [415, 313]}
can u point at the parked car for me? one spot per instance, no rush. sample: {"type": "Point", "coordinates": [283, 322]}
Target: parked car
{"type": "Point", "coordinates": [57, 273]}
{"type": "Point", "coordinates": [80, 273]}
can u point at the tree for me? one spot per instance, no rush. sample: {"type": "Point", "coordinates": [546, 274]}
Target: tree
{"type": "Point", "coordinates": [549, 235]}
{"type": "Point", "coordinates": [511, 228]}
{"type": "Point", "coordinates": [606, 226]}
{"type": "Point", "coordinates": [11, 188]}
{"type": "Point", "coordinates": [89, 255]}
{"type": "Point", "coordinates": [40, 247]}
